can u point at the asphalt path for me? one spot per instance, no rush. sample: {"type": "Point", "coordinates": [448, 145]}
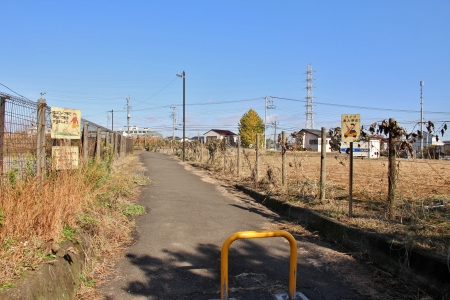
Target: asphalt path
{"type": "Point", "coordinates": [177, 251]}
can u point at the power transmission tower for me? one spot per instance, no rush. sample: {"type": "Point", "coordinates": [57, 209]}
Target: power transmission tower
{"type": "Point", "coordinates": [309, 98]}
{"type": "Point", "coordinates": [174, 119]}
{"type": "Point", "coordinates": [128, 115]}
{"type": "Point", "coordinates": [269, 105]}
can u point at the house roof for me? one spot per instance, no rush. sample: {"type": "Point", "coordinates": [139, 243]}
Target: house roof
{"type": "Point", "coordinates": [223, 132]}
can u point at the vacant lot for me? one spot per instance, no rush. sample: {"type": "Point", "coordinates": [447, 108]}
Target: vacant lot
{"type": "Point", "coordinates": [422, 194]}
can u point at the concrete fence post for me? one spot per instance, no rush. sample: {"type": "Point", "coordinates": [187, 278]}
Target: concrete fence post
{"type": "Point", "coordinates": [116, 137]}
{"type": "Point", "coordinates": [40, 149]}
{"type": "Point", "coordinates": [106, 138]}
{"type": "Point", "coordinates": [85, 142]}
{"type": "Point", "coordinates": [2, 130]}
{"type": "Point", "coordinates": [97, 148]}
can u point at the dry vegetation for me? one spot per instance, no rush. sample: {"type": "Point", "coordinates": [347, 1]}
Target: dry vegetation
{"type": "Point", "coordinates": [95, 200]}
{"type": "Point", "coordinates": [422, 198]}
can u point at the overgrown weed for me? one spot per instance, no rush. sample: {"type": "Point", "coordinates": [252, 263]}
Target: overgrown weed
{"type": "Point", "coordinates": [97, 199]}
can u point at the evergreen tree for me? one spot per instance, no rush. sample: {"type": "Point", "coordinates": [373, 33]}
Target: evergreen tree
{"type": "Point", "coordinates": [249, 126]}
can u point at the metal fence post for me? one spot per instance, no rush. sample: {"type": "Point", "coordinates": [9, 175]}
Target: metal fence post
{"type": "Point", "coordinates": [40, 147]}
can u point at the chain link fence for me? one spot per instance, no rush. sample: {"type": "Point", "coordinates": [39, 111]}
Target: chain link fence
{"type": "Point", "coordinates": [20, 132]}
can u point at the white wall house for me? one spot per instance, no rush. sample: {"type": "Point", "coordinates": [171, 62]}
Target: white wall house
{"type": "Point", "coordinates": [369, 149]}
{"type": "Point", "coordinates": [136, 131]}
{"type": "Point", "coordinates": [219, 134]}
{"type": "Point", "coordinates": [312, 140]}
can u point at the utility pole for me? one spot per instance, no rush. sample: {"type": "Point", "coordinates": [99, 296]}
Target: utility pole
{"type": "Point", "coordinates": [128, 115]}
{"type": "Point", "coordinates": [275, 134]}
{"type": "Point", "coordinates": [183, 75]}
{"type": "Point", "coordinates": [174, 119]}
{"type": "Point", "coordinates": [268, 105]}
{"type": "Point", "coordinates": [112, 119]}
{"type": "Point", "coordinates": [421, 119]}
{"type": "Point", "coordinates": [309, 98]}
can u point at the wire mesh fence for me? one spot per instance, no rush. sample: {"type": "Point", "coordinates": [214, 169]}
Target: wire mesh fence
{"type": "Point", "coordinates": [19, 131]}
{"type": "Point", "coordinates": [424, 181]}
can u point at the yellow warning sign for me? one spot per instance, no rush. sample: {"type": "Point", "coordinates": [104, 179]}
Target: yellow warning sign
{"type": "Point", "coordinates": [65, 157]}
{"type": "Point", "coordinates": [351, 128]}
{"type": "Point", "coordinates": [65, 123]}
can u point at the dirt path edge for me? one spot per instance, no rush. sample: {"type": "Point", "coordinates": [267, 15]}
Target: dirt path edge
{"type": "Point", "coordinates": [429, 272]}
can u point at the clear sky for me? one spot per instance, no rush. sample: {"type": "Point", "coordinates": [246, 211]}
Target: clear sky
{"type": "Point", "coordinates": [368, 57]}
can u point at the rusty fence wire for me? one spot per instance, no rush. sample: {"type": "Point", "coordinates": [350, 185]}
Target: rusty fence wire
{"type": "Point", "coordinates": [19, 137]}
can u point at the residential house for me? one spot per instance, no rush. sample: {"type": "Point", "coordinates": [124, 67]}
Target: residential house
{"type": "Point", "coordinates": [219, 134]}
{"type": "Point", "coordinates": [370, 149]}
{"type": "Point", "coordinates": [135, 131]}
{"type": "Point", "coordinates": [311, 140]}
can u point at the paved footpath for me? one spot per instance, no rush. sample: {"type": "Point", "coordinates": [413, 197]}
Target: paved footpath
{"type": "Point", "coordinates": [189, 216]}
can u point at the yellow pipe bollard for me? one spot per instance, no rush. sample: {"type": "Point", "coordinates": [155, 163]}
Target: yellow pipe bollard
{"type": "Point", "coordinates": [251, 235]}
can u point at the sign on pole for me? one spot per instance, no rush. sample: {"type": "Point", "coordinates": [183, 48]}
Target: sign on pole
{"type": "Point", "coordinates": [65, 157]}
{"type": "Point", "coordinates": [350, 128]}
{"type": "Point", "coordinates": [65, 123]}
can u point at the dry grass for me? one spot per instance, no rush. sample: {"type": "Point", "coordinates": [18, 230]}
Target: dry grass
{"type": "Point", "coordinates": [96, 199]}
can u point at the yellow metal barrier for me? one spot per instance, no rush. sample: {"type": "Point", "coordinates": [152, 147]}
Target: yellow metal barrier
{"type": "Point", "coordinates": [252, 235]}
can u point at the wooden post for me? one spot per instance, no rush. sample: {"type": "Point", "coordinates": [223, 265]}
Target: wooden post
{"type": "Point", "coordinates": [85, 142]}
{"type": "Point", "coordinates": [40, 150]}
{"type": "Point", "coordinates": [106, 138]}
{"type": "Point", "coordinates": [392, 171]}
{"type": "Point", "coordinates": [257, 158]}
{"type": "Point", "coordinates": [201, 152]}
{"type": "Point", "coordinates": [119, 144]}
{"type": "Point", "coordinates": [97, 148]}
{"type": "Point", "coordinates": [350, 186]}
{"type": "Point", "coordinates": [2, 130]}
{"type": "Point", "coordinates": [224, 155]}
{"type": "Point", "coordinates": [323, 160]}
{"type": "Point", "coordinates": [238, 155]}
{"type": "Point", "coordinates": [283, 158]}
{"type": "Point", "coordinates": [116, 137]}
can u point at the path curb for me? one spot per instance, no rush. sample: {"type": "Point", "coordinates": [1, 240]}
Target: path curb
{"type": "Point", "coordinates": [427, 271]}
{"type": "Point", "coordinates": [56, 279]}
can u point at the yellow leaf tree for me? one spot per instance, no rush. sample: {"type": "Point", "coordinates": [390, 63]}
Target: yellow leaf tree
{"type": "Point", "coordinates": [249, 126]}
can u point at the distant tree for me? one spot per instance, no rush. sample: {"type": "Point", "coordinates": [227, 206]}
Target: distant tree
{"type": "Point", "coordinates": [250, 125]}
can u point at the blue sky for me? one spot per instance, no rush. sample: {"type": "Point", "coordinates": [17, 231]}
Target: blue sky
{"type": "Point", "coordinates": [92, 55]}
